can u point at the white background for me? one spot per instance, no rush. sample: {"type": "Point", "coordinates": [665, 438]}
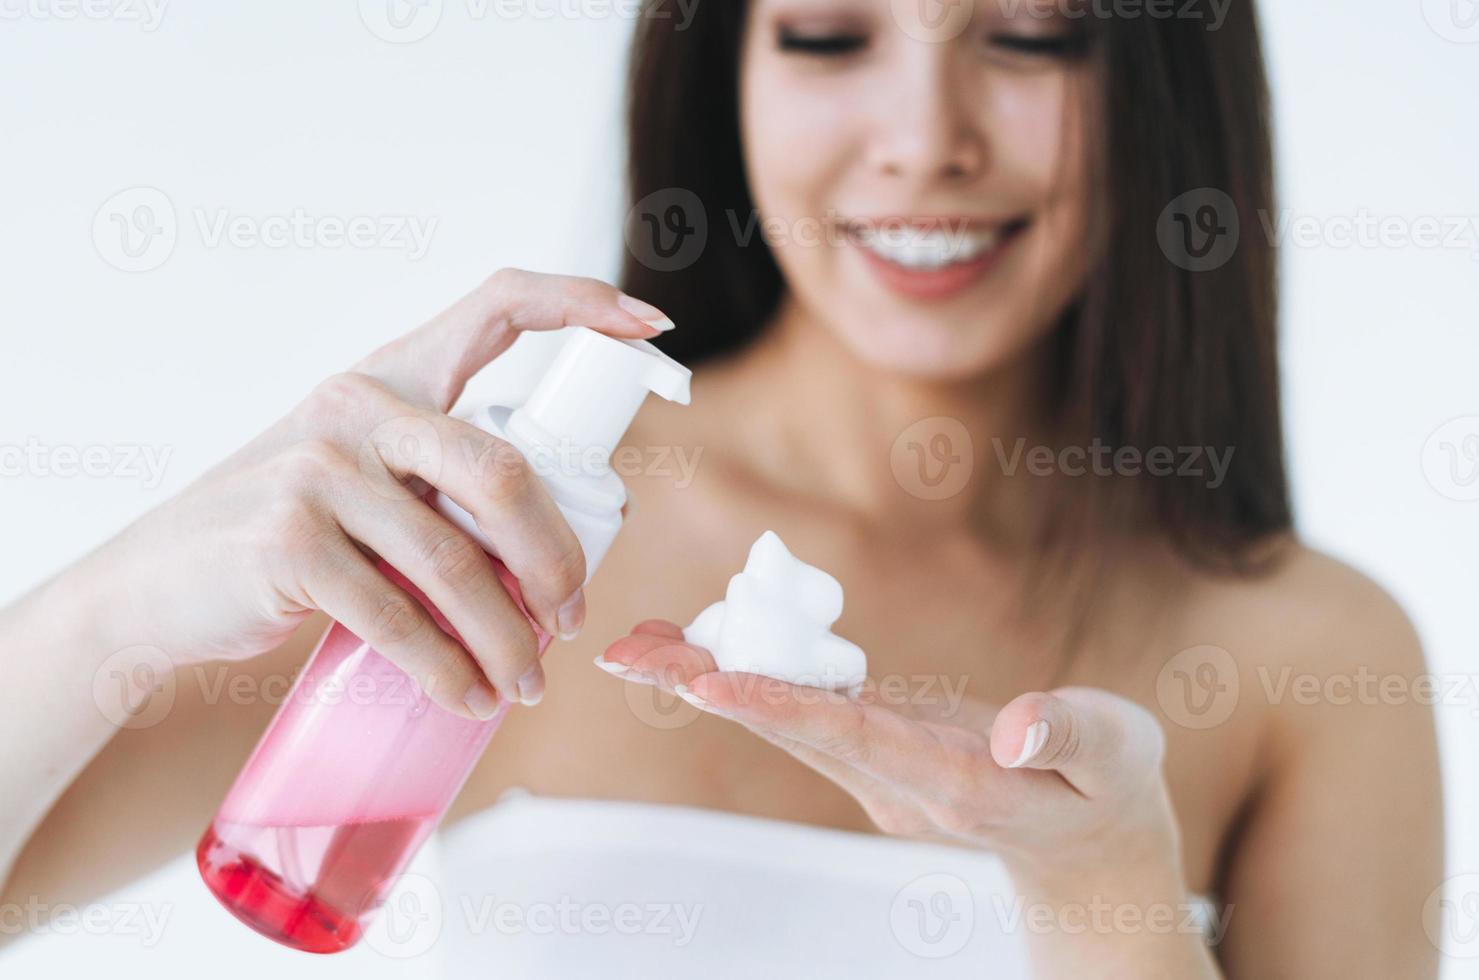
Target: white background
{"type": "Point", "coordinates": [505, 131]}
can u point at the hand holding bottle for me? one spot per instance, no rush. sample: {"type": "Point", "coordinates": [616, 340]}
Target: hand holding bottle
{"type": "Point", "coordinates": [341, 792]}
{"type": "Point", "coordinates": [288, 524]}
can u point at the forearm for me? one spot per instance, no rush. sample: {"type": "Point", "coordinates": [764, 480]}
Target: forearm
{"type": "Point", "coordinates": [1122, 913]}
{"type": "Point", "coordinates": [72, 678]}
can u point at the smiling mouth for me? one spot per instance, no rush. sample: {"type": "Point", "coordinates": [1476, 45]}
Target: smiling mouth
{"type": "Point", "coordinates": [933, 245]}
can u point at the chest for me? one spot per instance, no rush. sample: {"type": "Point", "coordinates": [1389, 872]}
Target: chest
{"type": "Point", "coordinates": [939, 620]}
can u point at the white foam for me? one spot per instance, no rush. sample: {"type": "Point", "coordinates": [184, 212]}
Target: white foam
{"type": "Point", "coordinates": [776, 619]}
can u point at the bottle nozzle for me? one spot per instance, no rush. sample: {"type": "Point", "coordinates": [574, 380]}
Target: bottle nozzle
{"type": "Point", "coordinates": [665, 382]}
{"type": "Point", "coordinates": [593, 389]}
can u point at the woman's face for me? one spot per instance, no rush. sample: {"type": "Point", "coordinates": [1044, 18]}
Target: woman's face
{"type": "Point", "coordinates": [919, 172]}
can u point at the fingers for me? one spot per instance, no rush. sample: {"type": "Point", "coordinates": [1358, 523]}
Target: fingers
{"type": "Point", "coordinates": [431, 364]}
{"type": "Point", "coordinates": [486, 476]}
{"type": "Point", "coordinates": [1096, 740]}
{"type": "Point", "coordinates": [652, 656]}
{"type": "Point", "coordinates": [659, 627]}
{"type": "Point", "coordinates": [513, 508]}
{"type": "Point", "coordinates": [881, 743]}
{"type": "Point", "coordinates": [454, 572]}
{"type": "Point", "coordinates": [960, 711]}
{"type": "Point", "coordinates": [342, 582]}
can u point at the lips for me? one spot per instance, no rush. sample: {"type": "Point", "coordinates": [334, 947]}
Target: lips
{"type": "Point", "coordinates": [932, 258]}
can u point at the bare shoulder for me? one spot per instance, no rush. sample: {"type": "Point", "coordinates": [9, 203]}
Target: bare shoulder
{"type": "Point", "coordinates": [1344, 777]}
{"type": "Point", "coordinates": [1310, 612]}
{"type": "Point", "coordinates": [1330, 676]}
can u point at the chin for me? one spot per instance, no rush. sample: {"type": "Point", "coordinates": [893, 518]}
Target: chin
{"type": "Point", "coordinates": [934, 348]}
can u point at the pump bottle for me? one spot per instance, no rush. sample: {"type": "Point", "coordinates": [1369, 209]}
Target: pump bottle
{"type": "Point", "coordinates": [359, 765]}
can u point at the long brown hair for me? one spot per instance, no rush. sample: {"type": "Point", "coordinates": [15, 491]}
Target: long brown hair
{"type": "Point", "coordinates": [1156, 352]}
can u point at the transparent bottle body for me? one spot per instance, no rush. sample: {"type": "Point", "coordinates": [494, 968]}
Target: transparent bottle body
{"type": "Point", "coordinates": [348, 781]}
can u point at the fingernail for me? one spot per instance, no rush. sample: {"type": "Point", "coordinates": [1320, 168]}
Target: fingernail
{"type": "Point", "coordinates": [572, 616]}
{"type": "Point", "coordinates": [531, 686]}
{"type": "Point", "coordinates": [481, 701]}
{"type": "Point", "coordinates": [683, 692]}
{"type": "Point", "coordinates": [612, 667]}
{"type": "Point", "coordinates": [645, 312]}
{"type": "Point", "coordinates": [1037, 737]}
{"type": "Point", "coordinates": [626, 673]}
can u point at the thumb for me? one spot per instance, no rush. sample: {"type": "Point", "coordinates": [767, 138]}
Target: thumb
{"type": "Point", "coordinates": [1094, 739]}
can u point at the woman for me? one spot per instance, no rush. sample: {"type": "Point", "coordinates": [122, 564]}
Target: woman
{"type": "Point", "coordinates": [982, 265]}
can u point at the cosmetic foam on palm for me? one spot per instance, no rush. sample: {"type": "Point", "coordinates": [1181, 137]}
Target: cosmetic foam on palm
{"type": "Point", "coordinates": [776, 619]}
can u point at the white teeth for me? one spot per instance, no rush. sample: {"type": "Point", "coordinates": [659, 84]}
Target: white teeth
{"type": "Point", "coordinates": [917, 248]}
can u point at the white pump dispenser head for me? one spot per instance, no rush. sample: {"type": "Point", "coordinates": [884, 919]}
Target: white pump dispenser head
{"type": "Point", "coordinates": [571, 422]}
{"type": "Point", "coordinates": [594, 387]}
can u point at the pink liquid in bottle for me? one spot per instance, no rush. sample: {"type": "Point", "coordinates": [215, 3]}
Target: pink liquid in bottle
{"type": "Point", "coordinates": [359, 766]}
{"type": "Point", "coordinates": [346, 784]}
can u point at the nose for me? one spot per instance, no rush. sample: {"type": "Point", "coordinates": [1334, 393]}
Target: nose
{"type": "Point", "coordinates": [928, 129]}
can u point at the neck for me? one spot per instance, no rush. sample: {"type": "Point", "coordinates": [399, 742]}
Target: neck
{"type": "Point", "coordinates": [923, 451]}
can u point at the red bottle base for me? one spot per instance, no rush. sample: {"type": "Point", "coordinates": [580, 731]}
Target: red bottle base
{"type": "Point", "coordinates": [263, 900]}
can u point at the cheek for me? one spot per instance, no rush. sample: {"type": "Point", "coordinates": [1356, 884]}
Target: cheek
{"type": "Point", "coordinates": [1041, 149]}
{"type": "Point", "coordinates": [1037, 137]}
{"type": "Point", "coordinates": [801, 146]}
{"type": "Point", "coordinates": [798, 139]}
{"type": "Point", "coordinates": [1043, 139]}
